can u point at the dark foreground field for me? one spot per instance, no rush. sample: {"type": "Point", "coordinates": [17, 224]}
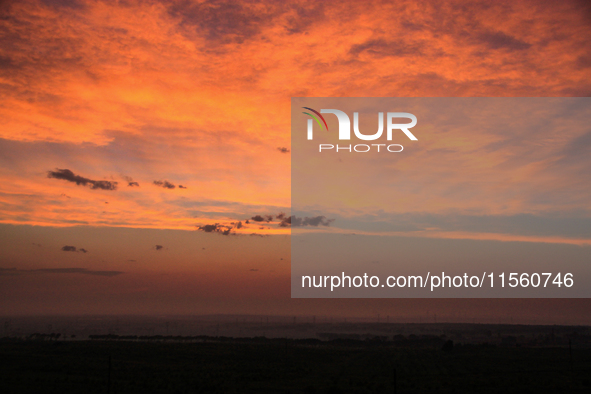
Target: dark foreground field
{"type": "Point", "coordinates": [287, 366]}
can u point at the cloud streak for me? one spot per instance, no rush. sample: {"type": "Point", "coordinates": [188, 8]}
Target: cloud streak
{"type": "Point", "coordinates": [82, 271]}
{"type": "Point", "coordinates": [69, 176]}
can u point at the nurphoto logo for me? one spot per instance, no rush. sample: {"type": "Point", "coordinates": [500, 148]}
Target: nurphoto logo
{"type": "Point", "coordinates": [345, 130]}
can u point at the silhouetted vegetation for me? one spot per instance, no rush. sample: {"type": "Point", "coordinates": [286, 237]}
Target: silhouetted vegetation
{"type": "Point", "coordinates": [208, 364]}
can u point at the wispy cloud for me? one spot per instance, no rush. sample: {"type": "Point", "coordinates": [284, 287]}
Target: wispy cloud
{"type": "Point", "coordinates": [83, 271]}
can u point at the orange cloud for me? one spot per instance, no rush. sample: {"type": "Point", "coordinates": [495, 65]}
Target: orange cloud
{"type": "Point", "coordinates": [198, 93]}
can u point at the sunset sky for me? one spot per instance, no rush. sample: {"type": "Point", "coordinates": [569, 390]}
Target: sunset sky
{"type": "Point", "coordinates": [107, 108]}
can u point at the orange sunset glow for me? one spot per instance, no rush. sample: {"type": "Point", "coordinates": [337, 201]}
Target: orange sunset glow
{"type": "Point", "coordinates": [153, 137]}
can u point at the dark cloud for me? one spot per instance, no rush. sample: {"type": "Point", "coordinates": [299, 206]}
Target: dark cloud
{"type": "Point", "coordinates": [583, 90]}
{"type": "Point", "coordinates": [69, 248]}
{"type": "Point", "coordinates": [221, 228]}
{"type": "Point", "coordinates": [164, 184]}
{"type": "Point", "coordinates": [500, 40]}
{"type": "Point", "coordinates": [226, 21]}
{"type": "Point", "coordinates": [84, 271]}
{"type": "Point", "coordinates": [216, 228]}
{"type": "Point", "coordinates": [261, 218]}
{"type": "Point", "coordinates": [6, 63]}
{"type": "Point", "coordinates": [182, 187]}
{"type": "Point", "coordinates": [382, 48]}
{"type": "Point", "coordinates": [69, 176]}
{"type": "Point", "coordinates": [285, 222]}
{"type": "Point", "coordinates": [283, 149]}
{"type": "Point", "coordinates": [223, 21]}
{"type": "Point", "coordinates": [71, 4]}
{"type": "Point", "coordinates": [584, 61]}
{"type": "Point", "coordinates": [304, 16]}
{"type": "Point", "coordinates": [313, 221]}
{"type": "Point", "coordinates": [130, 181]}
{"type": "Point", "coordinates": [412, 26]}
{"type": "Point", "coordinates": [159, 247]}
{"type": "Point", "coordinates": [253, 270]}
{"type": "Point", "coordinates": [209, 228]}
{"type": "Point", "coordinates": [306, 221]}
